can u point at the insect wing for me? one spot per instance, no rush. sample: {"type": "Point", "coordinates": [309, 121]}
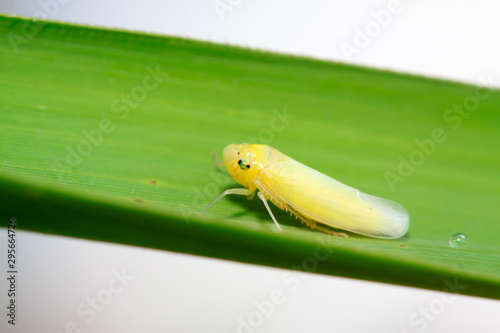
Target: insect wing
{"type": "Point", "coordinates": [330, 202]}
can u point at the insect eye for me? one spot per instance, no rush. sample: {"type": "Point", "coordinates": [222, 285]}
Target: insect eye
{"type": "Point", "coordinates": [243, 164]}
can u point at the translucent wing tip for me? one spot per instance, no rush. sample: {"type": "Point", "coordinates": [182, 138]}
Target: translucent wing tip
{"type": "Point", "coordinates": [396, 220]}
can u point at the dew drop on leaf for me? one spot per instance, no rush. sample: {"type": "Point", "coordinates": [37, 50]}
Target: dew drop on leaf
{"type": "Point", "coordinates": [458, 241]}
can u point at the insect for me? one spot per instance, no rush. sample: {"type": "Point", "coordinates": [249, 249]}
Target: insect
{"type": "Point", "coordinates": [317, 200]}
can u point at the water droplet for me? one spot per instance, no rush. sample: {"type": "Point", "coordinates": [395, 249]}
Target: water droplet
{"type": "Point", "coordinates": [458, 241]}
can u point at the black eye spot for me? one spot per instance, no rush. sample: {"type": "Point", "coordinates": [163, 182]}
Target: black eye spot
{"type": "Point", "coordinates": [243, 164]}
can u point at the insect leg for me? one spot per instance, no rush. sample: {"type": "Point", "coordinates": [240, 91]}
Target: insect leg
{"type": "Point", "coordinates": [264, 200]}
{"type": "Point", "coordinates": [240, 191]}
{"type": "Point", "coordinates": [315, 226]}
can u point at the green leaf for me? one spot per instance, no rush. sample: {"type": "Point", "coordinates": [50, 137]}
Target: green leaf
{"type": "Point", "coordinates": [108, 135]}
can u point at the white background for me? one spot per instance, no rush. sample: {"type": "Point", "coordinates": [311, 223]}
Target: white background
{"type": "Point", "coordinates": [169, 292]}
